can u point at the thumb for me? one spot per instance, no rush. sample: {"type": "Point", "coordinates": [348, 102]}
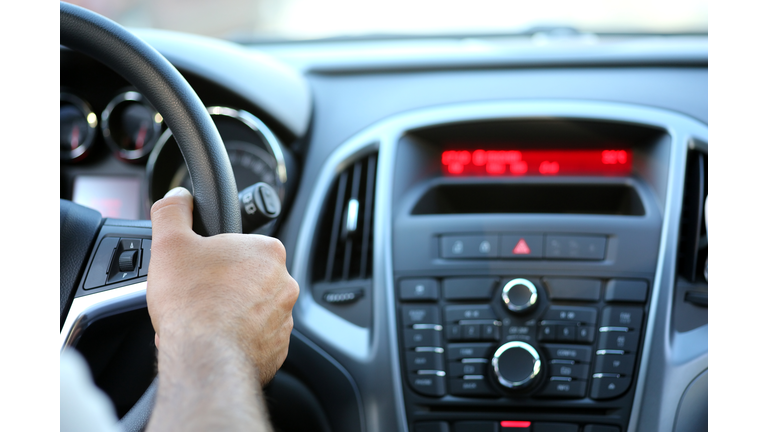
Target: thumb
{"type": "Point", "coordinates": [173, 213]}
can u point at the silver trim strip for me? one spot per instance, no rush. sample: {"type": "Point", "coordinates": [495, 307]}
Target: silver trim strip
{"type": "Point", "coordinates": [435, 327]}
{"type": "Point", "coordinates": [430, 372]}
{"type": "Point", "coordinates": [474, 360]}
{"type": "Point", "coordinates": [609, 352]}
{"type": "Point", "coordinates": [473, 377]}
{"type": "Point", "coordinates": [89, 308]}
{"type": "Point", "coordinates": [613, 329]}
{"type": "Point", "coordinates": [438, 350]}
{"type": "Point", "coordinates": [605, 375]}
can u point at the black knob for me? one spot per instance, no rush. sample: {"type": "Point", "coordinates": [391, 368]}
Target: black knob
{"type": "Point", "coordinates": [127, 261]}
{"type": "Point", "coordinates": [259, 205]}
{"type": "Point", "coordinates": [516, 365]}
{"type": "Point", "coordinates": [519, 295]}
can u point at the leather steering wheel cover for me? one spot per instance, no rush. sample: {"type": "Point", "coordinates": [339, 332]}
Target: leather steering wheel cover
{"type": "Point", "coordinates": [215, 194]}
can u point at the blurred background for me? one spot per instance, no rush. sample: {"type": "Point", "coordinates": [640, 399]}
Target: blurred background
{"type": "Point", "coordinates": [255, 20]}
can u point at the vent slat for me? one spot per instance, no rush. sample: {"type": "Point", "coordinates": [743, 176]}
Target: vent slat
{"type": "Point", "coordinates": [337, 214]}
{"type": "Point", "coordinates": [367, 215]}
{"type": "Point", "coordinates": [345, 230]}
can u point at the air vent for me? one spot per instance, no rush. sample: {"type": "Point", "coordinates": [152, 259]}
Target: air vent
{"type": "Point", "coordinates": [344, 248]}
{"type": "Point", "coordinates": [693, 246]}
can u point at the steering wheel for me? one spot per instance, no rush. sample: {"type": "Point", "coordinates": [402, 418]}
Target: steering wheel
{"type": "Point", "coordinates": [216, 207]}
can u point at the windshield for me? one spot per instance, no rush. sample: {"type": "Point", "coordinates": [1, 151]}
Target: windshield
{"type": "Point", "coordinates": [253, 20]}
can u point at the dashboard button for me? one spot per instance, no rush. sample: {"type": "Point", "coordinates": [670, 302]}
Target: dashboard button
{"type": "Point", "coordinates": [469, 350]}
{"type": "Point", "coordinates": [454, 332]}
{"type": "Point", "coordinates": [576, 371]}
{"type": "Point", "coordinates": [573, 289]}
{"type": "Point", "coordinates": [618, 340]}
{"type": "Point", "coordinates": [548, 333]}
{"type": "Point", "coordinates": [522, 246]}
{"type": "Point", "coordinates": [474, 368]}
{"type": "Point", "coordinates": [626, 290]}
{"type": "Point", "coordinates": [622, 364]}
{"type": "Point", "coordinates": [469, 288]}
{"type": "Point", "coordinates": [469, 246]}
{"type": "Point", "coordinates": [470, 387]}
{"type": "Point", "coordinates": [575, 247]}
{"type": "Point", "coordinates": [565, 389]}
{"type": "Point", "coordinates": [568, 352]}
{"type": "Point", "coordinates": [418, 290]}
{"type": "Point", "coordinates": [430, 384]}
{"type": "Point", "coordinates": [566, 333]}
{"type": "Point", "coordinates": [97, 274]}
{"type": "Point", "coordinates": [601, 428]}
{"type": "Point", "coordinates": [424, 361]}
{"type": "Point", "coordinates": [458, 313]}
{"type": "Point", "coordinates": [490, 332]}
{"type": "Point", "coordinates": [414, 338]}
{"type": "Point", "coordinates": [608, 386]}
{"type": "Point", "coordinates": [585, 334]}
{"type": "Point", "coordinates": [576, 314]}
{"type": "Point", "coordinates": [146, 254]}
{"type": "Point", "coordinates": [470, 332]}
{"type": "Point", "coordinates": [420, 315]}
{"type": "Point", "coordinates": [616, 316]}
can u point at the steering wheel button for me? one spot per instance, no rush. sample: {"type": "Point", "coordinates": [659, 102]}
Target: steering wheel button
{"type": "Point", "coordinates": [127, 261]}
{"type": "Point", "coordinates": [130, 244]}
{"type": "Point", "coordinates": [97, 274]}
{"type": "Point", "coordinates": [146, 254]}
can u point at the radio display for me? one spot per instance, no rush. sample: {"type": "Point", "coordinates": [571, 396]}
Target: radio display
{"type": "Point", "coordinates": [511, 162]}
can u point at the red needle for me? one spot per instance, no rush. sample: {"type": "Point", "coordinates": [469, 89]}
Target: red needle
{"type": "Point", "coordinates": [74, 139]}
{"type": "Point", "coordinates": [141, 136]}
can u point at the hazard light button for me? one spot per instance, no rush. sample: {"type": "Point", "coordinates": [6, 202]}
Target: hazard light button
{"type": "Point", "coordinates": [522, 246]}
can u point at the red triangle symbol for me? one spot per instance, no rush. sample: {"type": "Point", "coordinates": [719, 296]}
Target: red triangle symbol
{"type": "Point", "coordinates": [521, 248]}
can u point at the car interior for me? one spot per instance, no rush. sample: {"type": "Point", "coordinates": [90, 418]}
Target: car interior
{"type": "Point", "coordinates": [491, 232]}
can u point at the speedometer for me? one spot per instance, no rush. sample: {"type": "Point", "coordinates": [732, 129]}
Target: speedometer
{"type": "Point", "coordinates": [250, 165]}
{"type": "Point", "coordinates": [254, 151]}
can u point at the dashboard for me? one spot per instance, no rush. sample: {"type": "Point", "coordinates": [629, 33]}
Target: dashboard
{"type": "Point", "coordinates": [509, 239]}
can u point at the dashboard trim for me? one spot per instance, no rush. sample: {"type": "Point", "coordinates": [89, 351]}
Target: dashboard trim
{"type": "Point", "coordinates": [682, 130]}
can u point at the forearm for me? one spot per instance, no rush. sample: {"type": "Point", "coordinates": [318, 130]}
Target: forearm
{"type": "Point", "coordinates": [207, 383]}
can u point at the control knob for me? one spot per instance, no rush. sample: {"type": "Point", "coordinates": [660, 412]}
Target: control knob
{"type": "Point", "coordinates": [519, 295]}
{"type": "Point", "coordinates": [516, 365]}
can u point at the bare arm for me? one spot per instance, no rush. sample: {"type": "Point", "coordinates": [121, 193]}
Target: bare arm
{"type": "Point", "coordinates": [221, 307]}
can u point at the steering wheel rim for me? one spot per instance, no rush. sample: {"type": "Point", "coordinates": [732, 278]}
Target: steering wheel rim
{"type": "Point", "coordinates": [216, 207]}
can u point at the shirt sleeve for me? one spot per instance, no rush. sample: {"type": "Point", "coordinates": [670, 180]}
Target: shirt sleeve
{"type": "Point", "coordinates": [83, 406]}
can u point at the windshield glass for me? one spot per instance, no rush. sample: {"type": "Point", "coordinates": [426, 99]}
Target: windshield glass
{"type": "Point", "coordinates": [253, 20]}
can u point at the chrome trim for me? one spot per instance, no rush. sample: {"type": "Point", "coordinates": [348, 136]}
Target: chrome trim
{"type": "Point", "coordinates": [435, 327]}
{"type": "Point", "coordinates": [561, 361]}
{"type": "Point", "coordinates": [259, 127]}
{"type": "Point", "coordinates": [513, 283]}
{"type": "Point", "coordinates": [438, 350]}
{"type": "Point", "coordinates": [605, 375]}
{"type": "Point", "coordinates": [87, 111]}
{"type": "Point", "coordinates": [474, 360]}
{"type": "Point", "coordinates": [609, 352]}
{"type": "Point", "coordinates": [561, 378]}
{"type": "Point", "coordinates": [247, 119]}
{"type": "Point", "coordinates": [613, 329]}
{"type": "Point", "coordinates": [129, 96]}
{"type": "Point", "coordinates": [92, 307]}
{"type": "Point", "coordinates": [487, 322]}
{"type": "Point", "coordinates": [430, 372]}
{"type": "Point", "coordinates": [473, 377]}
{"type": "Point", "coordinates": [516, 384]}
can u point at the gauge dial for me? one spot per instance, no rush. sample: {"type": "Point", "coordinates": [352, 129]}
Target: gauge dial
{"type": "Point", "coordinates": [77, 124]}
{"type": "Point", "coordinates": [131, 126]}
{"type": "Point", "coordinates": [250, 165]}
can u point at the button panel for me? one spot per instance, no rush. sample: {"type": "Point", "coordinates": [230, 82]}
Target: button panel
{"type": "Point", "coordinates": [117, 260]}
{"type": "Point", "coordinates": [588, 339]}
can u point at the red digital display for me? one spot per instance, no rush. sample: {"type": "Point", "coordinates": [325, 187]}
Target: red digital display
{"type": "Point", "coordinates": [481, 162]}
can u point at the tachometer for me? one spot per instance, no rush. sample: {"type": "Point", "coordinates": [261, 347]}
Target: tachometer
{"type": "Point", "coordinates": [77, 123]}
{"type": "Point", "coordinates": [130, 125]}
{"type": "Point", "coordinates": [254, 151]}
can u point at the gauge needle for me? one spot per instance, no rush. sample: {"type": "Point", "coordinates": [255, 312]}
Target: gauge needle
{"type": "Point", "coordinates": [141, 136]}
{"type": "Point", "coordinates": [74, 139]}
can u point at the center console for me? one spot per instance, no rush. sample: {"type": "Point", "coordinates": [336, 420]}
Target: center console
{"type": "Point", "coordinates": [522, 297]}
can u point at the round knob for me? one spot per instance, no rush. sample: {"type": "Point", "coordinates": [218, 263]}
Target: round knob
{"type": "Point", "coordinates": [516, 364]}
{"type": "Point", "coordinates": [519, 295]}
